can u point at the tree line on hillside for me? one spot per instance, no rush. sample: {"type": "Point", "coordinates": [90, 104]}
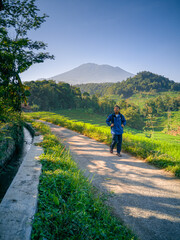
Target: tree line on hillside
{"type": "Point", "coordinates": [99, 89]}
{"type": "Point", "coordinates": [49, 95]}
{"type": "Point", "coordinates": [157, 106]}
{"type": "Point", "coordinates": [142, 82]}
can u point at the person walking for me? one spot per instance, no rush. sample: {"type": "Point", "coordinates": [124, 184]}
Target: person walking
{"type": "Point", "coordinates": [117, 121]}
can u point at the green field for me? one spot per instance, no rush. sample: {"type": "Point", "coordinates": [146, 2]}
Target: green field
{"type": "Point", "coordinates": [161, 150]}
{"type": "Point", "coordinates": [100, 120]}
{"type": "Point", "coordinates": [83, 116]}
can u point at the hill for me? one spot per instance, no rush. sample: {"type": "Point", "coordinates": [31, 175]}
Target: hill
{"type": "Point", "coordinates": [93, 88]}
{"type": "Point", "coordinates": [142, 82]}
{"type": "Point", "coordinates": [93, 73]}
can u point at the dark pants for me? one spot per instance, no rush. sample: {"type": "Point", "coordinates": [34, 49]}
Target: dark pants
{"type": "Point", "coordinates": [116, 138]}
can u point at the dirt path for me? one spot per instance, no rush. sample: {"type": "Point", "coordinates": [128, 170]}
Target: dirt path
{"type": "Point", "coordinates": [145, 198]}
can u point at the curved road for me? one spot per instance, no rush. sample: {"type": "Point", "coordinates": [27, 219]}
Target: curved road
{"type": "Point", "coordinates": [145, 198]}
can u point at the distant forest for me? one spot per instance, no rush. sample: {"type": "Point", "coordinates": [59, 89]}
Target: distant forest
{"type": "Point", "coordinates": [142, 82]}
{"type": "Point", "coordinates": [47, 95]}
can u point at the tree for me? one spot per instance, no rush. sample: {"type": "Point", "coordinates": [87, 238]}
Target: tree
{"type": "Point", "coordinates": [1, 5]}
{"type": "Point", "coordinates": [95, 104]}
{"type": "Point", "coordinates": [86, 95]}
{"type": "Point", "coordinates": [17, 51]}
{"type": "Point", "coordinates": [133, 117]}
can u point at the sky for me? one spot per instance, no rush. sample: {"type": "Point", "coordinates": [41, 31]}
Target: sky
{"type": "Point", "coordinates": [135, 35]}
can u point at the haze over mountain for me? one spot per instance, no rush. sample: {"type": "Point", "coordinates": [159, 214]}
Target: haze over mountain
{"type": "Point", "coordinates": [93, 73]}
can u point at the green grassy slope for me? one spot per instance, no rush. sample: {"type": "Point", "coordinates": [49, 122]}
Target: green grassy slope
{"type": "Point", "coordinates": [140, 98]}
{"type": "Point", "coordinates": [99, 120]}
{"type": "Point", "coordinates": [164, 154]}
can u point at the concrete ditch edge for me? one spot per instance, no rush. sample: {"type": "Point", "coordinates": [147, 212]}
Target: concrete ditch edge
{"type": "Point", "coordinates": [19, 204]}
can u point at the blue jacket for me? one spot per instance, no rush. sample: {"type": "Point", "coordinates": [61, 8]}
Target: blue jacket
{"type": "Point", "coordinates": [117, 129]}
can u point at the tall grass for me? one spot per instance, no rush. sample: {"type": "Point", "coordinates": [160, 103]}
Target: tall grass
{"type": "Point", "coordinates": [163, 154]}
{"type": "Point", "coordinates": [83, 115]}
{"type": "Point", "coordinates": [68, 206]}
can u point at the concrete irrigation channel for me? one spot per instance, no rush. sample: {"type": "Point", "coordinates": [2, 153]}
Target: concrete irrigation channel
{"type": "Point", "coordinates": [19, 203]}
{"type": "Point", "coordinates": [10, 168]}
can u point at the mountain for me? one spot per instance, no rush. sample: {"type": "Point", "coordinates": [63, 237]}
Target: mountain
{"type": "Point", "coordinates": [93, 73]}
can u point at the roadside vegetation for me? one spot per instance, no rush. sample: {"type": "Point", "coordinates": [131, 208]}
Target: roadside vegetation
{"type": "Point", "coordinates": [163, 154]}
{"type": "Point", "coordinates": [11, 132]}
{"type": "Point", "coordinates": [69, 207]}
{"type": "Point", "coordinates": [163, 125]}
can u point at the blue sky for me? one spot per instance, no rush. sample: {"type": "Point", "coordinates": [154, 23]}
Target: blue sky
{"type": "Point", "coordinates": [135, 35]}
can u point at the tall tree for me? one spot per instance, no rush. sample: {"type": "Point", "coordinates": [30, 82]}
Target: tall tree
{"type": "Point", "coordinates": [17, 51]}
{"type": "Point", "coordinates": [1, 5]}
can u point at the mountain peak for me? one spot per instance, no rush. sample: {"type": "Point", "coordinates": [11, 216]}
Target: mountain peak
{"type": "Point", "coordinates": [93, 73]}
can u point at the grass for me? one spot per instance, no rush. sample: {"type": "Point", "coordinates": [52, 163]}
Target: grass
{"type": "Point", "coordinates": [173, 121]}
{"type": "Point", "coordinates": [163, 154]}
{"type": "Point", "coordinates": [11, 136]}
{"type": "Point", "coordinates": [68, 206]}
{"type": "Point", "coordinates": [83, 116]}
{"type": "Point", "coordinates": [99, 120]}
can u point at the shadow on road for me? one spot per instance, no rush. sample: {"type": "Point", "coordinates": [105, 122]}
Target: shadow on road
{"type": "Point", "coordinates": [143, 197]}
